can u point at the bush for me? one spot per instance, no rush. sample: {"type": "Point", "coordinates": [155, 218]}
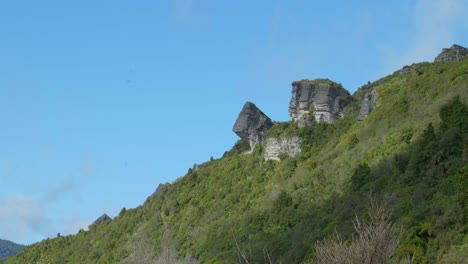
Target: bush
{"type": "Point", "coordinates": [375, 242]}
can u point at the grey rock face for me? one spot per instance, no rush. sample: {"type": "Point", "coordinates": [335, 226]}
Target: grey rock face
{"type": "Point", "coordinates": [199, 166]}
{"type": "Point", "coordinates": [160, 189]}
{"type": "Point", "coordinates": [274, 147]}
{"type": "Point", "coordinates": [454, 53]}
{"type": "Point", "coordinates": [324, 98]}
{"type": "Point", "coordinates": [252, 125]}
{"type": "Point", "coordinates": [408, 68]}
{"type": "Point", "coordinates": [366, 106]}
{"type": "Point", "coordinates": [101, 220]}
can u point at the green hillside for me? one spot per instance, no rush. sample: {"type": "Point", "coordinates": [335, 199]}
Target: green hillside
{"type": "Point", "coordinates": [8, 248]}
{"type": "Point", "coordinates": [411, 152]}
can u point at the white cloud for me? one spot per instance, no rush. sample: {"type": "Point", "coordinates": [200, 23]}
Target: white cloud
{"type": "Point", "coordinates": [434, 24]}
{"type": "Point", "coordinates": [22, 217]}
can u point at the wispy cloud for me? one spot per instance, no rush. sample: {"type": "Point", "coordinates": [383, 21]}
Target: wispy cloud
{"type": "Point", "coordinates": [67, 187]}
{"type": "Point", "coordinates": [191, 13]}
{"type": "Point", "coordinates": [435, 23]}
{"type": "Point", "coordinates": [7, 172]}
{"type": "Point", "coordinates": [87, 168]}
{"type": "Point", "coordinates": [75, 225]}
{"type": "Point", "coordinates": [22, 217]}
{"type": "Point", "coordinates": [183, 9]}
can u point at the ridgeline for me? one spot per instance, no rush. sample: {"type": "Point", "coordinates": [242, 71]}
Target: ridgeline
{"type": "Point", "coordinates": [402, 140]}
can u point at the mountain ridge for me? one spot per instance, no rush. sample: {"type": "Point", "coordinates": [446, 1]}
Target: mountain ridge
{"type": "Point", "coordinates": [406, 150]}
{"type": "Point", "coordinates": [8, 248]}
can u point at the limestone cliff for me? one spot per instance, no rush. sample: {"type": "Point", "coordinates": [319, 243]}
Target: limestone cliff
{"type": "Point", "coordinates": [366, 107]}
{"type": "Point", "coordinates": [274, 147]}
{"type": "Point", "coordinates": [252, 125]}
{"type": "Point", "coordinates": [324, 98]}
{"type": "Point", "coordinates": [454, 53]}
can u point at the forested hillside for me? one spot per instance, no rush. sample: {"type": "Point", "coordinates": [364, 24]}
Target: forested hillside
{"type": "Point", "coordinates": [410, 152]}
{"type": "Point", "coordinates": [8, 248]}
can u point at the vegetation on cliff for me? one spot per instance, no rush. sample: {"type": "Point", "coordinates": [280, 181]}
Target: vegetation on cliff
{"type": "Point", "coordinates": [410, 152]}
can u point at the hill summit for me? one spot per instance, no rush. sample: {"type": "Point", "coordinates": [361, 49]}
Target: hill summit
{"type": "Point", "coordinates": [304, 191]}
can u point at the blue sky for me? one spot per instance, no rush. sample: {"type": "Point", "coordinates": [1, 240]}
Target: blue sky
{"type": "Point", "coordinates": [100, 101]}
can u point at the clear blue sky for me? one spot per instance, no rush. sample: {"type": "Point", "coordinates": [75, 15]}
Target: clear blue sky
{"type": "Point", "coordinates": [100, 101]}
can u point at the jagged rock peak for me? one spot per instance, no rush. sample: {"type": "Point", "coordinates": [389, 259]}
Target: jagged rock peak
{"type": "Point", "coordinates": [366, 106]}
{"type": "Point", "coordinates": [325, 98]}
{"type": "Point", "coordinates": [252, 124]}
{"type": "Point", "coordinates": [101, 220]}
{"type": "Point", "coordinates": [454, 53]}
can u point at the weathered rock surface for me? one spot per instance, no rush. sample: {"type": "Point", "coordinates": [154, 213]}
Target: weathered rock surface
{"type": "Point", "coordinates": [101, 220]}
{"type": "Point", "coordinates": [252, 125]}
{"type": "Point", "coordinates": [274, 147]}
{"type": "Point", "coordinates": [407, 69]}
{"type": "Point", "coordinates": [324, 98]}
{"type": "Point", "coordinates": [366, 106]}
{"type": "Point", "coordinates": [160, 189]}
{"type": "Point", "coordinates": [454, 53]}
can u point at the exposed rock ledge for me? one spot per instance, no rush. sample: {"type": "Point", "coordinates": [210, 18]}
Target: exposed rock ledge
{"type": "Point", "coordinates": [325, 98]}
{"type": "Point", "coordinates": [454, 53]}
{"type": "Point", "coordinates": [274, 147]}
{"type": "Point", "coordinates": [367, 105]}
{"type": "Point", "coordinates": [101, 220]}
{"type": "Point", "coordinates": [252, 125]}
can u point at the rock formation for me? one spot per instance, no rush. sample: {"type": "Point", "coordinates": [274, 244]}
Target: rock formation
{"type": "Point", "coordinates": [252, 125]}
{"type": "Point", "coordinates": [407, 69]}
{"type": "Point", "coordinates": [454, 53]}
{"type": "Point", "coordinates": [159, 190]}
{"type": "Point", "coordinates": [366, 106]}
{"type": "Point", "coordinates": [321, 98]}
{"type": "Point", "coordinates": [101, 220]}
{"type": "Point", "coordinates": [274, 147]}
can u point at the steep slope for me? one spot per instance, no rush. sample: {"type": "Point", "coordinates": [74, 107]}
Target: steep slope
{"type": "Point", "coordinates": [8, 248]}
{"type": "Point", "coordinates": [411, 150]}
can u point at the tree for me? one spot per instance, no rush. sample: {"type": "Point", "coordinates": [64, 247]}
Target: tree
{"type": "Point", "coordinates": [141, 251]}
{"type": "Point", "coordinates": [360, 177]}
{"type": "Point", "coordinates": [454, 114]}
{"type": "Point", "coordinates": [375, 242]}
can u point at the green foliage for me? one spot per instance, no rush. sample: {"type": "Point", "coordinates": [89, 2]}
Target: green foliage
{"type": "Point", "coordinates": [403, 152]}
{"type": "Point", "coordinates": [454, 115]}
{"type": "Point", "coordinates": [360, 177]}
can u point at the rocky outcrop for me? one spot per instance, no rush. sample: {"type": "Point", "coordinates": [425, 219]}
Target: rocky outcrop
{"type": "Point", "coordinates": [252, 125]}
{"type": "Point", "coordinates": [160, 189]}
{"type": "Point", "coordinates": [407, 69]}
{"type": "Point", "coordinates": [454, 53]}
{"type": "Point", "coordinates": [196, 167]}
{"type": "Point", "coordinates": [101, 220]}
{"type": "Point", "coordinates": [321, 99]}
{"type": "Point", "coordinates": [274, 147]}
{"type": "Point", "coordinates": [367, 105]}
